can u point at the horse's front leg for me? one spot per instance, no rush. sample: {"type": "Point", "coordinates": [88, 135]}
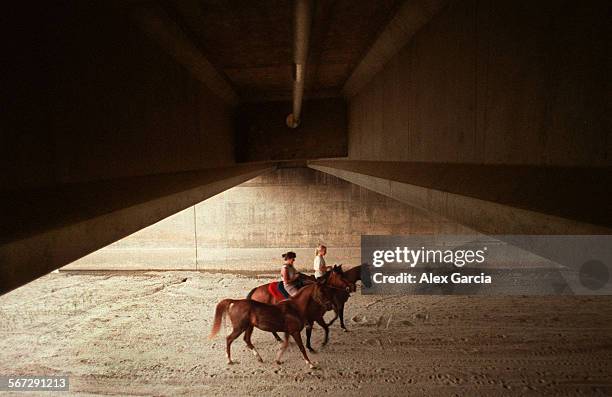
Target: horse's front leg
{"type": "Point", "coordinates": [308, 335]}
{"type": "Point", "coordinates": [341, 314]}
{"type": "Point", "coordinates": [336, 311]}
{"type": "Point", "coordinates": [321, 322]}
{"type": "Point", "coordinates": [298, 340]}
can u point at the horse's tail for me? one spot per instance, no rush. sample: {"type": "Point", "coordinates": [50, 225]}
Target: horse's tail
{"type": "Point", "coordinates": [219, 314]}
{"type": "Point", "coordinates": [250, 295]}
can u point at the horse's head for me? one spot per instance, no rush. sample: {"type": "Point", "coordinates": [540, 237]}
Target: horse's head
{"type": "Point", "coordinates": [335, 279]}
{"type": "Point", "coordinates": [323, 294]}
{"type": "Point", "coordinates": [365, 275]}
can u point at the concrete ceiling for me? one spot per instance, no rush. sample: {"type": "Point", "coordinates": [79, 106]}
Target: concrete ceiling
{"type": "Point", "coordinates": [250, 43]}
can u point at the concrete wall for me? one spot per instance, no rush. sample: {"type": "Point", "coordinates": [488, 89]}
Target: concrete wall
{"type": "Point", "coordinates": [262, 133]}
{"type": "Point", "coordinates": [249, 226]}
{"type": "Point", "coordinates": [494, 82]}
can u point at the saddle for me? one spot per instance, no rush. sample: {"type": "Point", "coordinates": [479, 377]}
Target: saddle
{"type": "Point", "coordinates": [277, 290]}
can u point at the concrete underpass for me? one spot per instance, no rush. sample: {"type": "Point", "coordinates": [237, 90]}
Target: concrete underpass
{"type": "Point", "coordinates": [159, 156]}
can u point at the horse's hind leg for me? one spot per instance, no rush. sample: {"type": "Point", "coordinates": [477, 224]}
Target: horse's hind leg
{"type": "Point", "coordinates": [282, 349]}
{"type": "Point", "coordinates": [230, 338]}
{"type": "Point", "coordinates": [247, 339]}
{"type": "Point", "coordinates": [298, 339]}
{"type": "Point", "coordinates": [278, 338]}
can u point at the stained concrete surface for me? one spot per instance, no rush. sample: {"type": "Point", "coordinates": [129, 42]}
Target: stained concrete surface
{"type": "Point", "coordinates": [249, 226]}
{"type": "Point", "coordinates": [146, 334]}
{"type": "Point", "coordinates": [493, 217]}
{"type": "Point", "coordinates": [79, 220]}
{"type": "Point", "coordinates": [493, 82]}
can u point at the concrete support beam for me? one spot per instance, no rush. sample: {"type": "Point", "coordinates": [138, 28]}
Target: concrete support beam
{"type": "Point", "coordinates": [46, 229]}
{"type": "Point", "coordinates": [154, 22]}
{"type": "Point", "coordinates": [492, 199]}
{"type": "Point", "coordinates": [411, 16]}
{"type": "Point", "coordinates": [87, 96]}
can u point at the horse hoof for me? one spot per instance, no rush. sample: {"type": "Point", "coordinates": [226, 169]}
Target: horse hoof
{"type": "Point", "coordinates": [231, 362]}
{"type": "Point", "coordinates": [311, 350]}
{"type": "Point", "coordinates": [279, 362]}
{"type": "Point", "coordinates": [313, 365]}
{"type": "Point", "coordinates": [345, 330]}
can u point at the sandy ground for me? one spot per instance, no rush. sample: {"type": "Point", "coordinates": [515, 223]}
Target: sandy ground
{"type": "Point", "coordinates": [146, 334]}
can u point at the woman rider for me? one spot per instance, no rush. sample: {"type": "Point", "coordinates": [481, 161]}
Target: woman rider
{"type": "Point", "coordinates": [290, 276]}
{"type": "Point", "coordinates": [320, 267]}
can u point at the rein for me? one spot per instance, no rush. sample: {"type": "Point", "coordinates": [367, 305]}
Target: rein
{"type": "Point", "coordinates": [316, 298]}
{"type": "Point", "coordinates": [335, 287]}
{"type": "Point", "coordinates": [338, 288]}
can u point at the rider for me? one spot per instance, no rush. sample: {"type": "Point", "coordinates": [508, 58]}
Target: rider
{"type": "Point", "coordinates": [290, 276]}
{"type": "Point", "coordinates": [319, 262]}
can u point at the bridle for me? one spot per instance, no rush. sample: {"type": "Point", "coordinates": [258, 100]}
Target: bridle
{"type": "Point", "coordinates": [348, 283]}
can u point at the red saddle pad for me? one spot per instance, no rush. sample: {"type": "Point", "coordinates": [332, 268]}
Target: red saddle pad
{"type": "Point", "coordinates": [275, 291]}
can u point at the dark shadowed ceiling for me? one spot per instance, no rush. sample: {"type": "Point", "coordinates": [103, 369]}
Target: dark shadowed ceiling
{"type": "Point", "coordinates": [251, 42]}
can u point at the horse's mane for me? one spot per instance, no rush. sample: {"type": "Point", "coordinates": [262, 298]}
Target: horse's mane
{"type": "Point", "coordinates": [327, 274]}
{"type": "Point", "coordinates": [303, 289]}
{"type": "Point", "coordinates": [336, 269]}
{"type": "Point", "coordinates": [354, 269]}
{"type": "Point", "coordinates": [355, 273]}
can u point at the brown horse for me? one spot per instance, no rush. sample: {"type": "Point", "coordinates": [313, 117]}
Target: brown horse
{"type": "Point", "coordinates": [339, 285]}
{"type": "Point", "coordinates": [340, 297]}
{"type": "Point", "coordinates": [289, 316]}
{"type": "Point", "coordinates": [333, 279]}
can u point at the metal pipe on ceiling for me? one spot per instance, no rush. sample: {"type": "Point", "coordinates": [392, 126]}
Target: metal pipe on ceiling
{"type": "Point", "coordinates": [302, 24]}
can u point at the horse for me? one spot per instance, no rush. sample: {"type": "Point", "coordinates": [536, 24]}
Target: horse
{"type": "Point", "coordinates": [315, 313]}
{"type": "Point", "coordinates": [361, 272]}
{"type": "Point", "coordinates": [288, 316]}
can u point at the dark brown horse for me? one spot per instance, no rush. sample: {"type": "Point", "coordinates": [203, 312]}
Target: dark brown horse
{"type": "Point", "coordinates": [332, 279]}
{"type": "Point", "coordinates": [289, 316]}
{"type": "Point", "coordinates": [352, 275]}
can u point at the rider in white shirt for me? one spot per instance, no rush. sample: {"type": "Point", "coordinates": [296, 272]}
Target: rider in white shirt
{"type": "Point", "coordinates": [319, 262]}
